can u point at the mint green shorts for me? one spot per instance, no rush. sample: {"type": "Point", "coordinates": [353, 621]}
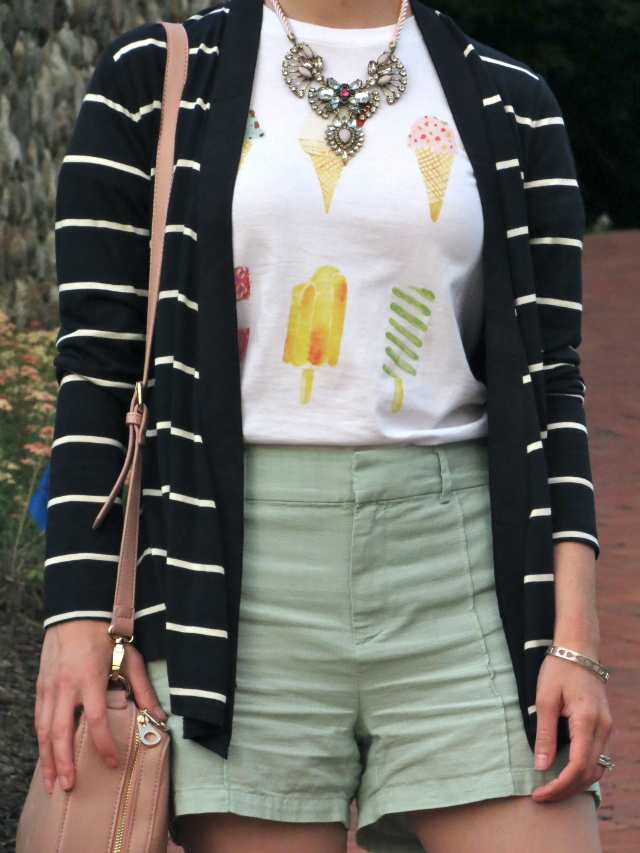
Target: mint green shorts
{"type": "Point", "coordinates": [372, 661]}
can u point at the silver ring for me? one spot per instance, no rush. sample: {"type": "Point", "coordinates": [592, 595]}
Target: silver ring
{"type": "Point", "coordinates": [606, 762]}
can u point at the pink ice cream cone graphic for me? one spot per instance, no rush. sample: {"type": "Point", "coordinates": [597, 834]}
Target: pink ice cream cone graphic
{"type": "Point", "coordinates": [434, 144]}
{"type": "Point", "coordinates": [243, 292]}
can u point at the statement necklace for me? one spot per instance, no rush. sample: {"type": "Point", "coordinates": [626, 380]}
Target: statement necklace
{"type": "Point", "coordinates": [351, 103]}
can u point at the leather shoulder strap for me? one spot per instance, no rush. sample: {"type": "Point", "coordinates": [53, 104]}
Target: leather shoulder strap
{"type": "Point", "coordinates": [174, 80]}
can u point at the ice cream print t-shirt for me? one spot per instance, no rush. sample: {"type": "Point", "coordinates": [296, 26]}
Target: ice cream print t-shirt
{"type": "Point", "coordinates": [358, 285]}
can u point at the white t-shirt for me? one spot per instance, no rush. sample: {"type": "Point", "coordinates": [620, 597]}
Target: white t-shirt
{"type": "Point", "coordinates": [359, 286]}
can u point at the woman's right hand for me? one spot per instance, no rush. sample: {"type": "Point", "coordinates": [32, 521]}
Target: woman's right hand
{"type": "Point", "coordinates": [74, 666]}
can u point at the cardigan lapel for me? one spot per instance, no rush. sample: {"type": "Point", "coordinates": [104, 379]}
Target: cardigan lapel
{"type": "Point", "coordinates": [502, 343]}
{"type": "Point", "coordinates": [218, 389]}
{"type": "Point", "coordinates": [218, 360]}
{"type": "Point", "coordinates": [505, 358]}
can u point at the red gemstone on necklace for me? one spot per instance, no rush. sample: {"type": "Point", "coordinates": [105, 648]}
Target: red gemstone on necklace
{"type": "Point", "coordinates": [344, 93]}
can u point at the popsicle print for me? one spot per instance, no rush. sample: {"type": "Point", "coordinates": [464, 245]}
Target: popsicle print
{"type": "Point", "coordinates": [316, 320]}
{"type": "Point", "coordinates": [243, 292]}
{"type": "Point", "coordinates": [252, 132]}
{"type": "Point", "coordinates": [434, 144]}
{"type": "Point", "coordinates": [408, 328]}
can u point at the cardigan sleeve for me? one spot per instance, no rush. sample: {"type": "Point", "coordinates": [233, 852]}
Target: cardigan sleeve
{"type": "Point", "coordinates": [556, 225]}
{"type": "Point", "coordinates": [102, 256]}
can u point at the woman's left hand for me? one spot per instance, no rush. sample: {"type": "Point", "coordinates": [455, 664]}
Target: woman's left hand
{"type": "Point", "coordinates": [570, 690]}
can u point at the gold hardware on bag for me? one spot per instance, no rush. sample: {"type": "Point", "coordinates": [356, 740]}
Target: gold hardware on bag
{"type": "Point", "coordinates": [119, 639]}
{"type": "Point", "coordinates": [117, 657]}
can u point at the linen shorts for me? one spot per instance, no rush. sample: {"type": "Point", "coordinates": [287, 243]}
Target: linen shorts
{"type": "Point", "coordinates": [372, 662]}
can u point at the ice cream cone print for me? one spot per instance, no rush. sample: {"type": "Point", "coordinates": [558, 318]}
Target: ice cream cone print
{"type": "Point", "coordinates": [434, 144]}
{"type": "Point", "coordinates": [252, 132]}
{"type": "Point", "coordinates": [328, 167]}
{"type": "Point", "coordinates": [316, 320]}
{"type": "Point", "coordinates": [408, 322]}
{"type": "Point", "coordinates": [243, 292]}
{"type": "Point", "coordinates": [246, 147]}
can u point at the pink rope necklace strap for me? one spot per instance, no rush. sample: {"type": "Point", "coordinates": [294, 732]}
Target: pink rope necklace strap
{"type": "Point", "coordinates": [277, 8]}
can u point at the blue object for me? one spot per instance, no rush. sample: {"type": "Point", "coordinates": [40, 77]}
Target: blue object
{"type": "Point", "coordinates": [39, 500]}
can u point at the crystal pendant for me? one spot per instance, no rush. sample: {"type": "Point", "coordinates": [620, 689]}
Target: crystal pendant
{"type": "Point", "coordinates": [345, 137]}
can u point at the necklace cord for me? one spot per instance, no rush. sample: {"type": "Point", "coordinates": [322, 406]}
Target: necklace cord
{"type": "Point", "coordinates": [277, 8]}
{"type": "Point", "coordinates": [399, 25]}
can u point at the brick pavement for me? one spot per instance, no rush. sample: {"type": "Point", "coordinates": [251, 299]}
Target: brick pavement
{"type": "Point", "coordinates": [611, 365]}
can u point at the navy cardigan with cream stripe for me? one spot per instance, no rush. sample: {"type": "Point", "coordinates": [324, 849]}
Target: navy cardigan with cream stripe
{"type": "Point", "coordinates": [191, 523]}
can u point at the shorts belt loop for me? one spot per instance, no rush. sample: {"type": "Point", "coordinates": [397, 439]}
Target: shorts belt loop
{"type": "Point", "coordinates": [445, 475]}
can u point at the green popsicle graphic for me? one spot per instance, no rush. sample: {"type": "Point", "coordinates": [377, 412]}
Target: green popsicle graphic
{"type": "Point", "coordinates": [408, 327]}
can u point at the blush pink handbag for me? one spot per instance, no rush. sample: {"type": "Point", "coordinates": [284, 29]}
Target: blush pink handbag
{"type": "Point", "coordinates": [125, 810]}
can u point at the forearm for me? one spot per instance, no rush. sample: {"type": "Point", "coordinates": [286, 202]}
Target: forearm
{"type": "Point", "coordinates": [576, 625]}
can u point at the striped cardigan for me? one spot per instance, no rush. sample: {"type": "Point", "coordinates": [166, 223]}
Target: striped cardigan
{"type": "Point", "coordinates": [190, 548]}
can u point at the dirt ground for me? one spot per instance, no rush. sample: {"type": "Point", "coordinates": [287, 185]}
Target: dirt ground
{"type": "Point", "coordinates": [611, 360]}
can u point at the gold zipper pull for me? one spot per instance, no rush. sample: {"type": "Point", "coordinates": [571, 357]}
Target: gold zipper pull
{"type": "Point", "coordinates": [148, 728]}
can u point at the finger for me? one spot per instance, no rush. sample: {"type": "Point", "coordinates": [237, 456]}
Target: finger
{"type": "Point", "coordinates": [603, 732]}
{"type": "Point", "coordinates": [545, 747]}
{"type": "Point", "coordinates": [576, 775]}
{"type": "Point", "coordinates": [44, 717]}
{"type": "Point", "coordinates": [143, 692]}
{"type": "Point", "coordinates": [62, 738]}
{"type": "Point", "coordinates": [95, 711]}
{"type": "Point", "coordinates": [565, 785]}
{"type": "Point", "coordinates": [599, 748]}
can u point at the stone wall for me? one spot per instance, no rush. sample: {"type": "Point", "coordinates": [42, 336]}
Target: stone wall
{"type": "Point", "coordinates": [48, 49]}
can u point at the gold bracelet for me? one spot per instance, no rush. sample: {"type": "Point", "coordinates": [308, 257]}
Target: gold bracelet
{"type": "Point", "coordinates": [582, 660]}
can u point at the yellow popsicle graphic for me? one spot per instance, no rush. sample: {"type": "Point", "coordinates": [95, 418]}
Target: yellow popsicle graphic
{"type": "Point", "coordinates": [316, 320]}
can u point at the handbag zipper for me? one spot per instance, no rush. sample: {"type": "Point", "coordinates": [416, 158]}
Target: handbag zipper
{"type": "Point", "coordinates": [148, 735]}
{"type": "Point", "coordinates": [123, 814]}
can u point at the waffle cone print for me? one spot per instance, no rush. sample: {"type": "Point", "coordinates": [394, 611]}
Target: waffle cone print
{"type": "Point", "coordinates": [408, 327]}
{"type": "Point", "coordinates": [252, 132]}
{"type": "Point", "coordinates": [316, 320]}
{"type": "Point", "coordinates": [434, 144]}
{"type": "Point", "coordinates": [327, 166]}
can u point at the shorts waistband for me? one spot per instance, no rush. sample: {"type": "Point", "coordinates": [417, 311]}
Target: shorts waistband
{"type": "Point", "coordinates": [313, 474]}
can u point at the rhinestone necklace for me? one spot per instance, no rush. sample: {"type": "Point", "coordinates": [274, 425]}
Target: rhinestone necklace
{"type": "Point", "coordinates": [351, 103]}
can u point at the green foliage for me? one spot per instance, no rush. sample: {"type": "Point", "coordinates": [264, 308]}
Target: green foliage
{"type": "Point", "coordinates": [589, 53]}
{"type": "Point", "coordinates": [27, 412]}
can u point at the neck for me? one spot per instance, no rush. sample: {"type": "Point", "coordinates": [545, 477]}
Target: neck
{"type": "Point", "coordinates": [343, 14]}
